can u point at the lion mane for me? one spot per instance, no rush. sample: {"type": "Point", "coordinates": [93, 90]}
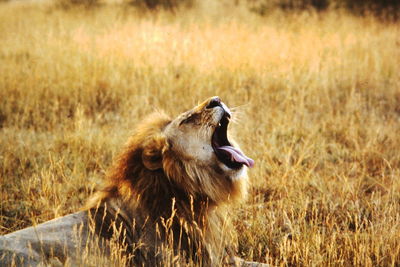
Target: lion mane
{"type": "Point", "coordinates": [150, 183]}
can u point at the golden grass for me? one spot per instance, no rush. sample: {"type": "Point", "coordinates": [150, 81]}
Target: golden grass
{"type": "Point", "coordinates": [319, 111]}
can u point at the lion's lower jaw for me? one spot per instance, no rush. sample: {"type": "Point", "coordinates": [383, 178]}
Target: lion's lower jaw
{"type": "Point", "coordinates": [236, 175]}
{"type": "Point", "coordinates": [238, 184]}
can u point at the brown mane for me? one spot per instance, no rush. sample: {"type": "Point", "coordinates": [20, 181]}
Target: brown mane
{"type": "Point", "coordinates": [155, 196]}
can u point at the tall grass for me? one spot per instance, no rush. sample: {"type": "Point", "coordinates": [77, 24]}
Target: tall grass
{"type": "Point", "coordinates": [317, 100]}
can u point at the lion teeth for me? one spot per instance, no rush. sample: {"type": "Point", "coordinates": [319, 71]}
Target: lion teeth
{"type": "Point", "coordinates": [219, 124]}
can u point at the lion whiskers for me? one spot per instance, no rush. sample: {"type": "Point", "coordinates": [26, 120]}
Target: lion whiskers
{"type": "Point", "coordinates": [237, 114]}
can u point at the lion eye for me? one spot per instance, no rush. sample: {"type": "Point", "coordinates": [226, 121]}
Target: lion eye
{"type": "Point", "coordinates": [184, 121]}
{"type": "Point", "coordinates": [189, 119]}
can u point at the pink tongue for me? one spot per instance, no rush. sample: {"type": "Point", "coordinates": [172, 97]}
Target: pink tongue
{"type": "Point", "coordinates": [237, 155]}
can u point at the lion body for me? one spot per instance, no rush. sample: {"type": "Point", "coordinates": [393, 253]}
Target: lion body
{"type": "Point", "coordinates": [38, 244]}
{"type": "Point", "coordinates": [163, 201]}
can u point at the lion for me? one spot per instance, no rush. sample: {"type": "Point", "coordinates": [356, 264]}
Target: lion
{"type": "Point", "coordinates": [164, 200]}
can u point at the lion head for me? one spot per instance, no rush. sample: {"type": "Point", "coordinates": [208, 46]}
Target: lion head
{"type": "Point", "coordinates": [191, 153]}
{"type": "Point", "coordinates": [195, 152]}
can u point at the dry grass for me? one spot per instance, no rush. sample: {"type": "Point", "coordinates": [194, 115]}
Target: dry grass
{"type": "Point", "coordinates": [319, 108]}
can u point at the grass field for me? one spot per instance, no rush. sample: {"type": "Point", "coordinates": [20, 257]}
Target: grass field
{"type": "Point", "coordinates": [318, 108]}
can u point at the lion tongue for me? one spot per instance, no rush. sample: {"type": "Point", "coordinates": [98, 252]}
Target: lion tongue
{"type": "Point", "coordinates": [237, 155]}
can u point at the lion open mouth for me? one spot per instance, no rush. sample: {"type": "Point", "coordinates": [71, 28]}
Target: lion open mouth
{"type": "Point", "coordinates": [226, 153]}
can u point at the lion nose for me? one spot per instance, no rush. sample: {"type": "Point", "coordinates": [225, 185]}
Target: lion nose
{"type": "Point", "coordinates": [214, 102]}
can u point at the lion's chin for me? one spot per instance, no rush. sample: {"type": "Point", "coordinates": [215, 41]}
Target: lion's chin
{"type": "Point", "coordinates": [239, 182]}
{"type": "Point", "coordinates": [237, 174]}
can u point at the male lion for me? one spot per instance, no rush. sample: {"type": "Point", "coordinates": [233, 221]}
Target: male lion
{"type": "Point", "coordinates": [162, 203]}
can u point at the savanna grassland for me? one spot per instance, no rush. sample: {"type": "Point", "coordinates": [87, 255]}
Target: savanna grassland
{"type": "Point", "coordinates": [317, 106]}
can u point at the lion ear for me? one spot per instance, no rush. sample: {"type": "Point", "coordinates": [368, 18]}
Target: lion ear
{"type": "Point", "coordinates": [152, 153]}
